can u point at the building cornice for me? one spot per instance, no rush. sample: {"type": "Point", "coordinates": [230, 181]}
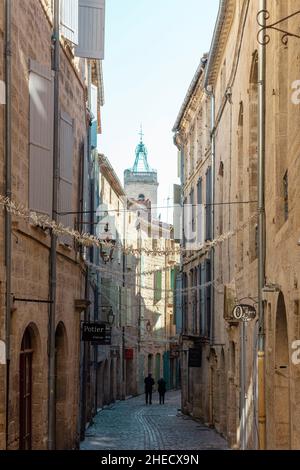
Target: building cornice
{"type": "Point", "coordinates": [221, 32]}
{"type": "Point", "coordinates": [191, 96]}
{"type": "Point", "coordinates": [110, 174]}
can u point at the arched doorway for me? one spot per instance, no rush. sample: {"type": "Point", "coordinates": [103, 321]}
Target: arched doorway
{"type": "Point", "coordinates": [26, 361]}
{"type": "Point", "coordinates": [61, 368]}
{"type": "Point", "coordinates": [281, 379]}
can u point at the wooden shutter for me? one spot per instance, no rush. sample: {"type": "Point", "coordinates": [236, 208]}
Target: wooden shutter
{"type": "Point", "coordinates": [202, 294]}
{"type": "Point", "coordinates": [177, 212]}
{"type": "Point", "coordinates": [208, 204]}
{"type": "Point", "coordinates": [40, 138]}
{"type": "Point", "coordinates": [91, 29]}
{"type": "Point", "coordinates": [66, 174]}
{"type": "Point", "coordinates": [157, 286]}
{"type": "Point", "coordinates": [200, 221]}
{"type": "Point", "coordinates": [129, 307]}
{"type": "Point", "coordinates": [69, 20]}
{"type": "Point", "coordinates": [208, 297]}
{"type": "Point", "coordinates": [192, 202]}
{"type": "Point", "coordinates": [123, 306]}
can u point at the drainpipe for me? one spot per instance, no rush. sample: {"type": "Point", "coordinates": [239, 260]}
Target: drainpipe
{"type": "Point", "coordinates": [213, 172]}
{"type": "Point", "coordinates": [261, 238]}
{"type": "Point", "coordinates": [52, 308]}
{"type": "Point", "coordinates": [8, 158]}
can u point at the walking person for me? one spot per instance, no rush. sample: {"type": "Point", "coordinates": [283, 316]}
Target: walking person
{"type": "Point", "coordinates": [149, 382]}
{"type": "Point", "coordinates": [161, 390]}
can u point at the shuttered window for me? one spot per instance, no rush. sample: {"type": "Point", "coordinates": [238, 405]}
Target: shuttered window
{"type": "Point", "coordinates": [157, 286]}
{"type": "Point", "coordinates": [185, 303]}
{"type": "Point", "coordinates": [66, 174]}
{"type": "Point", "coordinates": [208, 297]}
{"type": "Point", "coordinates": [202, 294]}
{"type": "Point", "coordinates": [208, 234]}
{"type": "Point", "coordinates": [91, 29]}
{"type": "Point", "coordinates": [69, 20]}
{"type": "Point", "coordinates": [129, 308]}
{"type": "Point", "coordinates": [200, 222]}
{"type": "Point", "coordinates": [178, 303]}
{"type": "Point", "coordinates": [123, 305]}
{"type": "Point", "coordinates": [40, 138]}
{"type": "Point", "coordinates": [193, 212]}
{"type": "Point", "coordinates": [172, 279]}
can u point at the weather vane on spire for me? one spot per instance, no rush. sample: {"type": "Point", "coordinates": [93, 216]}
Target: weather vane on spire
{"type": "Point", "coordinates": [141, 133]}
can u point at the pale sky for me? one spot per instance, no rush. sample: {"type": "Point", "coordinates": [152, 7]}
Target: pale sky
{"type": "Point", "coordinates": [152, 50]}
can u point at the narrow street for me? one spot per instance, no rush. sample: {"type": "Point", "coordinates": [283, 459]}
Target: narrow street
{"type": "Point", "coordinates": [131, 425]}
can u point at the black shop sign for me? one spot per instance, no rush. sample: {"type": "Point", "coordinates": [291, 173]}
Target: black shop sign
{"type": "Point", "coordinates": [195, 357]}
{"type": "Point", "coordinates": [98, 333]}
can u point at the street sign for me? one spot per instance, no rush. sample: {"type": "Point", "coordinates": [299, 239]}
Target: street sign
{"type": "Point", "coordinates": [244, 312]}
{"type": "Point", "coordinates": [98, 333]}
{"type": "Point", "coordinates": [195, 357]}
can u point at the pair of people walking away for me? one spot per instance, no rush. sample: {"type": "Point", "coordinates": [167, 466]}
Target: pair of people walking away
{"type": "Point", "coordinates": [149, 382]}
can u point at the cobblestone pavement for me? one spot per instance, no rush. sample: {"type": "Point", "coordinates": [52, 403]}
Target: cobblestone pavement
{"type": "Point", "coordinates": [131, 425]}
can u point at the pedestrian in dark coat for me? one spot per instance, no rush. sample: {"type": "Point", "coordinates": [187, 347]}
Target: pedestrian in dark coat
{"type": "Point", "coordinates": [149, 382]}
{"type": "Point", "coordinates": [161, 390]}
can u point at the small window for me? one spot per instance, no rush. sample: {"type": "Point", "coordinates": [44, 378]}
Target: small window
{"type": "Point", "coordinates": [286, 195]}
{"type": "Point", "coordinates": [157, 286]}
{"type": "Point", "coordinates": [221, 169]}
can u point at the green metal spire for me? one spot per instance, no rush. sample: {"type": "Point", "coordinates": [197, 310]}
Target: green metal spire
{"type": "Point", "coordinates": [141, 163]}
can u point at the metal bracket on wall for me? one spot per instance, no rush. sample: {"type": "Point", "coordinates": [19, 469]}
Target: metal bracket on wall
{"type": "Point", "coordinates": [263, 37]}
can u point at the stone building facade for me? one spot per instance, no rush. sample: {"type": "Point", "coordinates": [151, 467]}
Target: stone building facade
{"type": "Point", "coordinates": [192, 137]}
{"type": "Point", "coordinates": [24, 388]}
{"type": "Point", "coordinates": [109, 384]}
{"type": "Point", "coordinates": [233, 76]}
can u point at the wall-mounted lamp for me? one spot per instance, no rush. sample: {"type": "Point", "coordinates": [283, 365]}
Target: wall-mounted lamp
{"type": "Point", "coordinates": [106, 251]}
